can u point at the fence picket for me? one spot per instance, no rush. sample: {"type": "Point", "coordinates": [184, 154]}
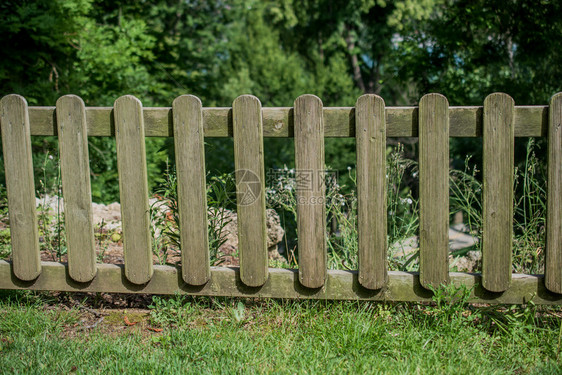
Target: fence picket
{"type": "Point", "coordinates": [18, 166]}
{"type": "Point", "coordinates": [191, 186]}
{"type": "Point", "coordinates": [310, 190]}
{"type": "Point", "coordinates": [133, 189]}
{"type": "Point", "coordinates": [434, 189]}
{"type": "Point", "coordinates": [498, 138]}
{"type": "Point", "coordinates": [250, 189]}
{"type": "Point", "coordinates": [553, 266]}
{"type": "Point", "coordinates": [75, 173]}
{"type": "Point", "coordinates": [370, 132]}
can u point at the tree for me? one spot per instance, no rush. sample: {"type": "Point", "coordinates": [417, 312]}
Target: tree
{"type": "Point", "coordinates": [468, 49]}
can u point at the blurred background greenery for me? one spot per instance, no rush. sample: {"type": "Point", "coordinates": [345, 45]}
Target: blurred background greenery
{"type": "Point", "coordinates": [276, 50]}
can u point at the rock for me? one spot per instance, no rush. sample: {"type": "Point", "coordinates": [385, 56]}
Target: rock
{"type": "Point", "coordinates": [110, 216]}
{"type": "Point", "coordinates": [458, 239]}
{"type": "Point", "coordinates": [467, 263]}
{"type": "Point", "coordinates": [50, 204]}
{"type": "Point", "coordinates": [275, 233]}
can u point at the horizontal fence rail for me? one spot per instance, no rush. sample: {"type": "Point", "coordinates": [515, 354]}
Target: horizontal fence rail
{"type": "Point", "coordinates": [529, 121]}
{"type": "Point", "coordinates": [498, 122]}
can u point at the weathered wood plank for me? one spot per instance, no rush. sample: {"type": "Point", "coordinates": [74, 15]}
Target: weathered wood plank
{"type": "Point", "coordinates": [250, 189]}
{"type": "Point", "coordinates": [310, 190]}
{"type": "Point", "coordinates": [529, 121]}
{"type": "Point", "coordinates": [133, 189]}
{"type": "Point", "coordinates": [434, 190]}
{"type": "Point", "coordinates": [75, 173]}
{"type": "Point", "coordinates": [282, 283]}
{"type": "Point", "coordinates": [191, 186]}
{"type": "Point", "coordinates": [497, 192]}
{"type": "Point", "coordinates": [18, 166]}
{"type": "Point", "coordinates": [553, 266]}
{"type": "Point", "coordinates": [371, 190]}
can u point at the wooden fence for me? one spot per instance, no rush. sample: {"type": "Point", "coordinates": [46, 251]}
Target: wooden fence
{"type": "Point", "coordinates": [370, 122]}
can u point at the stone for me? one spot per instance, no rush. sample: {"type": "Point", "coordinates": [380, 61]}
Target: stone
{"type": "Point", "coordinates": [275, 233]}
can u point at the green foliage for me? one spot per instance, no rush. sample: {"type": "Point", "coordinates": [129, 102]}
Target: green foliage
{"type": "Point", "coordinates": [36, 55]}
{"type": "Point", "coordinates": [52, 233]}
{"type": "Point", "coordinates": [341, 209]}
{"type": "Point", "coordinates": [402, 213]}
{"type": "Point", "coordinates": [467, 50]}
{"type": "Point", "coordinates": [466, 196]}
{"type": "Point", "coordinates": [5, 240]}
{"type": "Point", "coordinates": [238, 313]}
{"type": "Point", "coordinates": [530, 213]}
{"type": "Point", "coordinates": [166, 221]}
{"type": "Point", "coordinates": [169, 311]}
{"type": "Point", "coordinates": [111, 60]}
{"type": "Point", "coordinates": [529, 208]}
{"type": "Point", "coordinates": [450, 305]}
{"type": "Point", "coordinates": [5, 243]}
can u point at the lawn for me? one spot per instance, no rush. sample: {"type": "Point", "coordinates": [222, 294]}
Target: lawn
{"type": "Point", "coordinates": [79, 333]}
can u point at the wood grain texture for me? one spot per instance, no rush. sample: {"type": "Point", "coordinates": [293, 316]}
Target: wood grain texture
{"type": "Point", "coordinates": [191, 189]}
{"type": "Point", "coordinates": [371, 191]}
{"type": "Point", "coordinates": [250, 190]}
{"type": "Point", "coordinates": [310, 190]}
{"type": "Point", "coordinates": [75, 173]}
{"type": "Point", "coordinates": [497, 226]}
{"type": "Point", "coordinates": [282, 283]}
{"type": "Point", "coordinates": [133, 189]}
{"type": "Point", "coordinates": [434, 190]}
{"type": "Point", "coordinates": [18, 166]}
{"type": "Point", "coordinates": [529, 121]}
{"type": "Point", "coordinates": [553, 266]}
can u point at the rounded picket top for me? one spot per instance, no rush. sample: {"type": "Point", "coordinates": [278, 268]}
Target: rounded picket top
{"type": "Point", "coordinates": [69, 99]}
{"type": "Point", "coordinates": [366, 98]}
{"type": "Point", "coordinates": [555, 97]}
{"type": "Point", "coordinates": [13, 97]}
{"type": "Point", "coordinates": [246, 99]}
{"type": "Point", "coordinates": [191, 101]}
{"type": "Point", "coordinates": [246, 104]}
{"type": "Point", "coordinates": [13, 101]}
{"type": "Point", "coordinates": [496, 96]}
{"type": "Point", "coordinates": [126, 100]}
{"type": "Point", "coordinates": [435, 97]}
{"type": "Point", "coordinates": [308, 98]}
{"type": "Point", "coordinates": [71, 103]}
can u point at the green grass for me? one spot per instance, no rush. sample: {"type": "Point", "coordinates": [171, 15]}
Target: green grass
{"type": "Point", "coordinates": [210, 335]}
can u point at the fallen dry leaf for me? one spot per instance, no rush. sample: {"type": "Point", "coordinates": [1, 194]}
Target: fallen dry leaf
{"type": "Point", "coordinates": [127, 322]}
